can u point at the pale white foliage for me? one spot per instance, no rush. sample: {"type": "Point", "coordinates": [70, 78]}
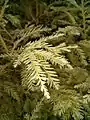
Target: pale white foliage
{"type": "Point", "coordinates": [39, 57]}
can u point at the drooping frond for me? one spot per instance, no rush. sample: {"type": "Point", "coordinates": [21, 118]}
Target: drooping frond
{"type": "Point", "coordinates": [77, 57]}
{"type": "Point", "coordinates": [67, 104]}
{"type": "Point", "coordinates": [11, 90]}
{"type": "Point", "coordinates": [9, 97]}
{"type": "Point", "coordinates": [84, 87]}
{"type": "Point", "coordinates": [39, 58]}
{"type": "Point", "coordinates": [85, 45]}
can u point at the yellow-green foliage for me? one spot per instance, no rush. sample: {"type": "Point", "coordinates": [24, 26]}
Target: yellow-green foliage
{"type": "Point", "coordinates": [45, 72]}
{"type": "Point", "coordinates": [45, 66]}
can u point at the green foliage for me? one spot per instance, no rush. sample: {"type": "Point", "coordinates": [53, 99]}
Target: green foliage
{"type": "Point", "coordinates": [73, 13]}
{"type": "Point", "coordinates": [44, 68]}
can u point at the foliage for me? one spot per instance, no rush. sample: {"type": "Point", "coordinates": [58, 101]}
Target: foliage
{"type": "Point", "coordinates": [44, 60]}
{"type": "Point", "coordinates": [39, 58]}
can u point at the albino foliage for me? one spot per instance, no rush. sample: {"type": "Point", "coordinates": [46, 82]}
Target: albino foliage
{"type": "Point", "coordinates": [39, 58]}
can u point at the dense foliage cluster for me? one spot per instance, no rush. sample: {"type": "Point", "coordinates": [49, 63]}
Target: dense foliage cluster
{"type": "Point", "coordinates": [44, 60]}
